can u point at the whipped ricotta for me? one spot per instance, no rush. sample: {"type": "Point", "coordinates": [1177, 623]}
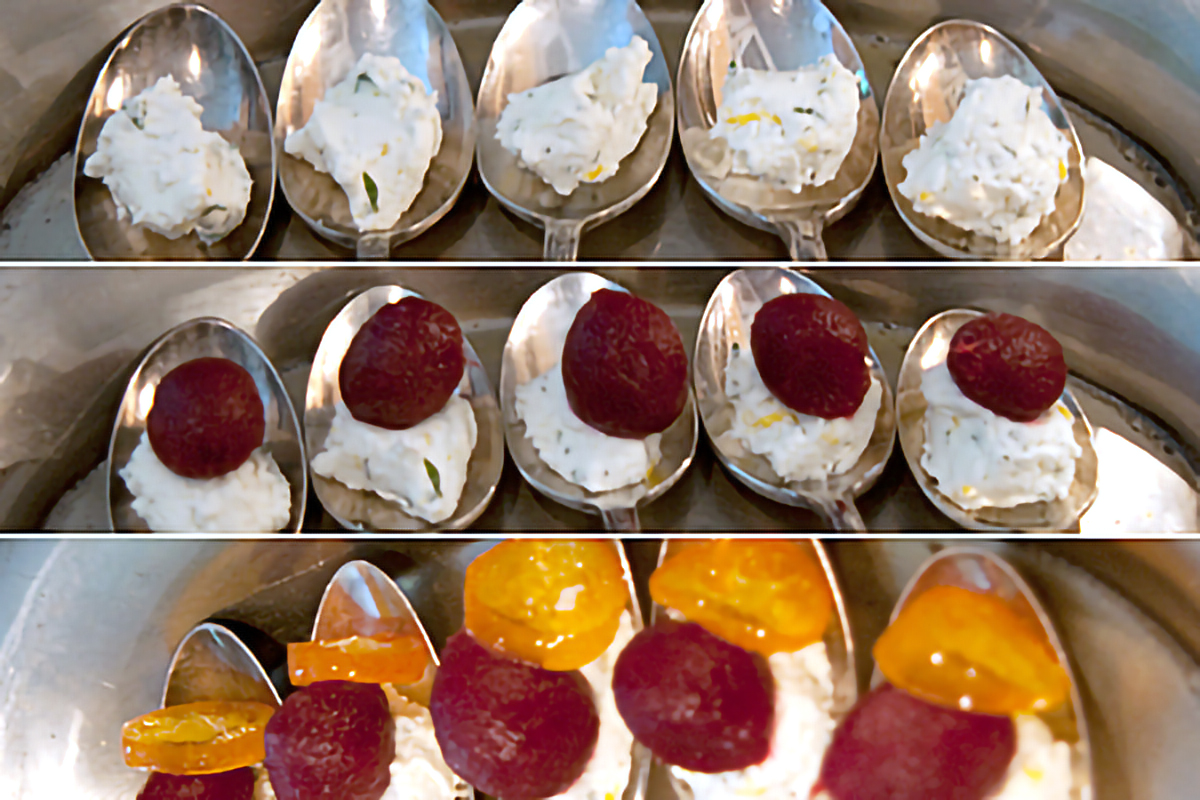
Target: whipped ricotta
{"type": "Point", "coordinates": [1122, 221]}
{"type": "Point", "coordinates": [981, 459]}
{"type": "Point", "coordinates": [578, 128]}
{"type": "Point", "coordinates": [423, 467]}
{"type": "Point", "coordinates": [376, 133]}
{"type": "Point", "coordinates": [800, 447]}
{"type": "Point", "coordinates": [165, 172]}
{"type": "Point", "coordinates": [804, 727]}
{"type": "Point", "coordinates": [792, 128]}
{"type": "Point", "coordinates": [575, 450]}
{"type": "Point", "coordinates": [995, 167]}
{"type": "Point", "coordinates": [1041, 767]}
{"type": "Point", "coordinates": [254, 498]}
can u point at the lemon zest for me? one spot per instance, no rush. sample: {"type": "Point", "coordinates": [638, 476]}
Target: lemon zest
{"type": "Point", "coordinates": [595, 173]}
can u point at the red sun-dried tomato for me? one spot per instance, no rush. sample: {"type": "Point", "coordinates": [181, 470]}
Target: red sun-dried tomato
{"type": "Point", "coordinates": [237, 784]}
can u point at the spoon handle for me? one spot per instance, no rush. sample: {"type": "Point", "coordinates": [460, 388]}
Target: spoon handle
{"type": "Point", "coordinates": [803, 237]}
{"type": "Point", "coordinates": [621, 520]}
{"type": "Point", "coordinates": [373, 247]}
{"type": "Point", "coordinates": [842, 515]}
{"type": "Point", "coordinates": [562, 240]}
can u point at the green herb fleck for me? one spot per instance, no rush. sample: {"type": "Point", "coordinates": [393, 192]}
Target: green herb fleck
{"type": "Point", "coordinates": [372, 192]}
{"type": "Point", "coordinates": [733, 64]}
{"type": "Point", "coordinates": [211, 209]}
{"type": "Point", "coordinates": [434, 477]}
{"type": "Point", "coordinates": [364, 78]}
{"type": "Point", "coordinates": [736, 347]}
{"type": "Point", "coordinates": [800, 110]}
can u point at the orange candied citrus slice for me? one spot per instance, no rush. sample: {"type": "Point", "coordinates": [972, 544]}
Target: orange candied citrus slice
{"type": "Point", "coordinates": [556, 604]}
{"type": "Point", "coordinates": [963, 649]}
{"type": "Point", "coordinates": [764, 596]}
{"type": "Point", "coordinates": [384, 658]}
{"type": "Point", "coordinates": [197, 738]}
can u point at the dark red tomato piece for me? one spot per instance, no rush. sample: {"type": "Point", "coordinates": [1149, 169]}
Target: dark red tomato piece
{"type": "Point", "coordinates": [894, 746]}
{"type": "Point", "coordinates": [624, 366]}
{"type": "Point", "coordinates": [508, 728]}
{"type": "Point", "coordinates": [1008, 365]}
{"type": "Point", "coordinates": [207, 418]}
{"type": "Point", "coordinates": [236, 784]}
{"type": "Point", "coordinates": [402, 365]}
{"type": "Point", "coordinates": [811, 352]}
{"type": "Point", "coordinates": [331, 740]}
{"type": "Point", "coordinates": [694, 699]}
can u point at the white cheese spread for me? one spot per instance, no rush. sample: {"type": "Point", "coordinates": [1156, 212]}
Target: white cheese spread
{"type": "Point", "coordinates": [981, 459]}
{"type": "Point", "coordinates": [425, 466]}
{"type": "Point", "coordinates": [165, 172]}
{"type": "Point", "coordinates": [1041, 767]}
{"type": "Point", "coordinates": [792, 128]}
{"type": "Point", "coordinates": [578, 128]}
{"type": "Point", "coordinates": [254, 498]}
{"type": "Point", "coordinates": [995, 167]}
{"type": "Point", "coordinates": [376, 133]}
{"type": "Point", "coordinates": [1122, 222]}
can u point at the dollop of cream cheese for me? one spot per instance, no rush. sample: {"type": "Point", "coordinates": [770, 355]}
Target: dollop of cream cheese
{"type": "Point", "coordinates": [800, 447]}
{"type": "Point", "coordinates": [1041, 767]}
{"type": "Point", "coordinates": [376, 133]}
{"type": "Point", "coordinates": [793, 128]}
{"type": "Point", "coordinates": [165, 172]}
{"type": "Point", "coordinates": [574, 449]}
{"type": "Point", "coordinates": [804, 727]}
{"type": "Point", "coordinates": [403, 464]}
{"type": "Point", "coordinates": [981, 459]}
{"type": "Point", "coordinates": [995, 167]}
{"type": "Point", "coordinates": [254, 498]}
{"type": "Point", "coordinates": [1122, 221]}
{"type": "Point", "coordinates": [577, 128]}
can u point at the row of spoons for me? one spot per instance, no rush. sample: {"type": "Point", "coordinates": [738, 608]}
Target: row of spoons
{"type": "Point", "coordinates": [214, 664]}
{"type": "Point", "coordinates": [531, 349]}
{"type": "Point", "coordinates": [212, 65]}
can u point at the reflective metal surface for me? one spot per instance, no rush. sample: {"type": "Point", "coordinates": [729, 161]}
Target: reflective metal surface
{"type": "Point", "coordinates": [212, 663]}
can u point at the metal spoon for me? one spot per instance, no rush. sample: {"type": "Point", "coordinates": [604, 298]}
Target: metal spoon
{"type": "Point", "coordinates": [928, 349]}
{"type": "Point", "coordinates": [726, 322]}
{"type": "Point", "coordinates": [982, 571]}
{"type": "Point", "coordinates": [535, 345]}
{"type": "Point", "coordinates": [839, 642]}
{"type": "Point", "coordinates": [360, 510]}
{"type": "Point", "coordinates": [212, 66]}
{"type": "Point", "coordinates": [543, 40]}
{"type": "Point", "coordinates": [766, 34]}
{"type": "Point", "coordinates": [199, 338]}
{"type": "Point", "coordinates": [212, 663]}
{"type": "Point", "coordinates": [330, 42]}
{"type": "Point", "coordinates": [927, 87]}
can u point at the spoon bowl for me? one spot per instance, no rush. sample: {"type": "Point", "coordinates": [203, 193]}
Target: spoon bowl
{"type": "Point", "coordinates": [361, 510]}
{"type": "Point", "coordinates": [213, 67]}
{"type": "Point", "coordinates": [776, 37]}
{"type": "Point", "coordinates": [200, 338]}
{"type": "Point", "coordinates": [331, 41]}
{"type": "Point", "coordinates": [726, 323]}
{"type": "Point", "coordinates": [927, 88]}
{"type": "Point", "coordinates": [543, 40]}
{"type": "Point", "coordinates": [534, 346]}
{"type": "Point", "coordinates": [212, 663]}
{"type": "Point", "coordinates": [929, 349]}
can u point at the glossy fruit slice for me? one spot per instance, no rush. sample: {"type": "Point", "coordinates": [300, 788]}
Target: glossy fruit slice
{"type": "Point", "coordinates": [237, 784]}
{"type": "Point", "coordinates": [378, 659]}
{"type": "Point", "coordinates": [556, 604]}
{"type": "Point", "coordinates": [893, 746]}
{"type": "Point", "coordinates": [969, 650]}
{"type": "Point", "coordinates": [624, 366]}
{"type": "Point", "coordinates": [1008, 365]}
{"type": "Point", "coordinates": [207, 418]}
{"type": "Point", "coordinates": [811, 352]}
{"type": "Point", "coordinates": [512, 730]}
{"type": "Point", "coordinates": [333, 739]}
{"type": "Point", "coordinates": [197, 738]}
{"type": "Point", "coordinates": [695, 700]}
{"type": "Point", "coordinates": [765, 596]}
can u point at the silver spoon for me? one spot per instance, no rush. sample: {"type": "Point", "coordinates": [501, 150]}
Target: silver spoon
{"type": "Point", "coordinates": [928, 349]}
{"type": "Point", "coordinates": [839, 642]}
{"type": "Point", "coordinates": [543, 40]}
{"type": "Point", "coordinates": [212, 66]}
{"type": "Point", "coordinates": [979, 570]}
{"type": "Point", "coordinates": [211, 663]}
{"type": "Point", "coordinates": [764, 34]}
{"type": "Point", "coordinates": [200, 338]}
{"type": "Point", "coordinates": [360, 510]}
{"type": "Point", "coordinates": [726, 322]}
{"type": "Point", "coordinates": [330, 42]}
{"type": "Point", "coordinates": [927, 87]}
{"type": "Point", "coordinates": [535, 345]}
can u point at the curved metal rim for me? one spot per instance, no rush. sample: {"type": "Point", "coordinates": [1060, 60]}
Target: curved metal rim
{"type": "Point", "coordinates": [213, 626]}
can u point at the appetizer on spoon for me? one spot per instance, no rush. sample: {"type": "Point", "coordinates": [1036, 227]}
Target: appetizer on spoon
{"type": "Point", "coordinates": [989, 428]}
{"type": "Point", "coordinates": [174, 157]}
{"type": "Point", "coordinates": [206, 439]}
{"type": "Point", "coordinates": [979, 155]}
{"type": "Point", "coordinates": [776, 116]}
